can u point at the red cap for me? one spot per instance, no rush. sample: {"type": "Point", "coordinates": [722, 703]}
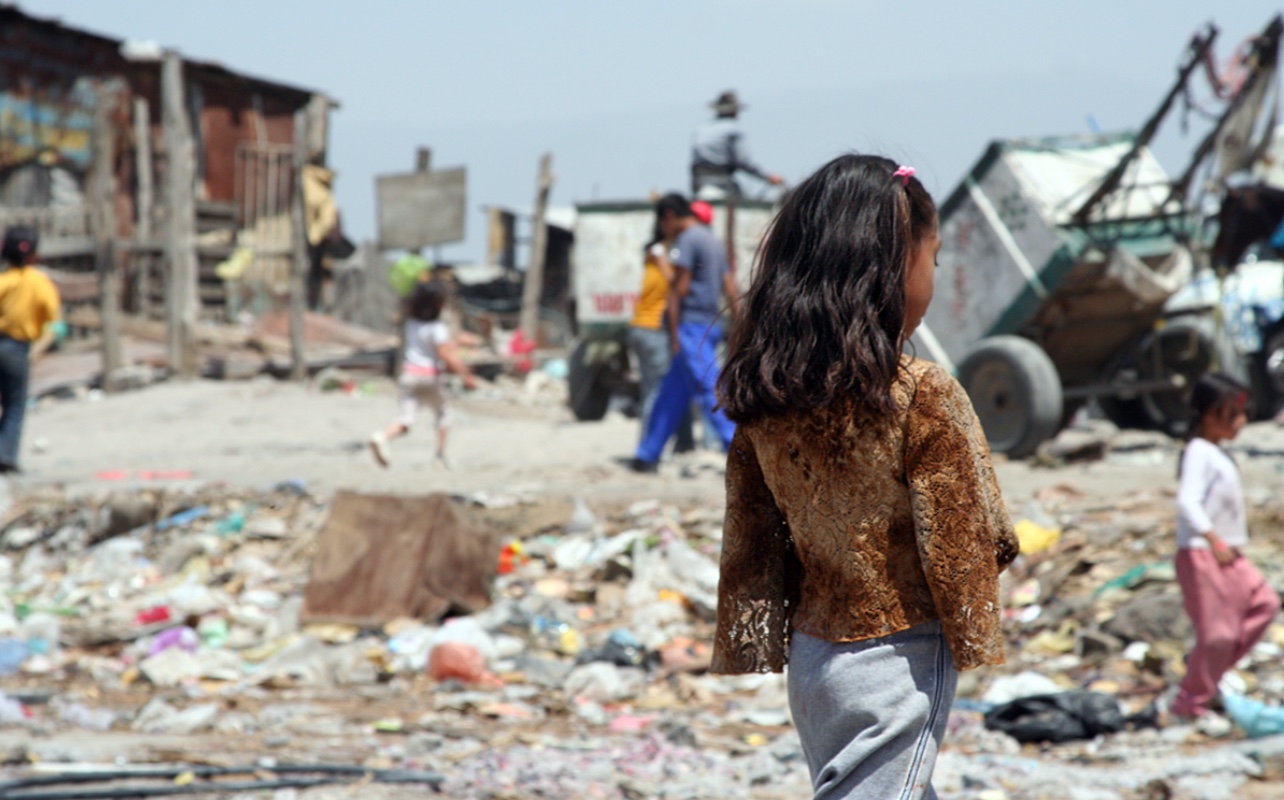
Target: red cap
{"type": "Point", "coordinates": [703, 211]}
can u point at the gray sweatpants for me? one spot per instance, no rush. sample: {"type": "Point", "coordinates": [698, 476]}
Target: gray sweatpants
{"type": "Point", "coordinates": [871, 714]}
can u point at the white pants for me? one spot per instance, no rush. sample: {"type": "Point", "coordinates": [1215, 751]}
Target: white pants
{"type": "Point", "coordinates": [414, 391]}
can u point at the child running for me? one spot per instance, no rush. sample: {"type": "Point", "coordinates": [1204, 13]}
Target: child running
{"type": "Point", "coordinates": [430, 352]}
{"type": "Point", "coordinates": [1228, 601]}
{"type": "Point", "coordinates": [865, 531]}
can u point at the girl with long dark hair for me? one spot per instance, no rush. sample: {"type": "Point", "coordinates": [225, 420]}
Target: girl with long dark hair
{"type": "Point", "coordinates": [865, 532]}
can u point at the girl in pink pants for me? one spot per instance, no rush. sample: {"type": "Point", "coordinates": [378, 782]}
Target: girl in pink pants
{"type": "Point", "coordinates": [1227, 599]}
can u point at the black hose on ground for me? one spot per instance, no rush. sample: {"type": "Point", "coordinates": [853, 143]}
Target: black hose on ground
{"type": "Point", "coordinates": [333, 774]}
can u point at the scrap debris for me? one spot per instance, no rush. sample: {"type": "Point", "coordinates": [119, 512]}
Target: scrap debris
{"type": "Point", "coordinates": [170, 619]}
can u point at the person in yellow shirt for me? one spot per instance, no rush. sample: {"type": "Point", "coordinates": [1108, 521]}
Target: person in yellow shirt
{"type": "Point", "coordinates": [649, 336]}
{"type": "Point", "coordinates": [29, 303]}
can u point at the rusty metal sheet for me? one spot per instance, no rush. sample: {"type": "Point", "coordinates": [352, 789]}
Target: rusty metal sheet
{"type": "Point", "coordinates": [382, 557]}
{"type": "Point", "coordinates": [420, 209]}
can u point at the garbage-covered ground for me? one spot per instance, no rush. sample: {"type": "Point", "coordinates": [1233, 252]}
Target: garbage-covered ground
{"type": "Point", "coordinates": [157, 553]}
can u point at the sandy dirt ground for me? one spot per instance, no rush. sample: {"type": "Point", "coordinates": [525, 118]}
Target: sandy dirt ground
{"type": "Point", "coordinates": [504, 439]}
{"type": "Point", "coordinates": [263, 432]}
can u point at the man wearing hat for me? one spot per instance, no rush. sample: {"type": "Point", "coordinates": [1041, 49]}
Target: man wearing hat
{"type": "Point", "coordinates": [29, 303]}
{"type": "Point", "coordinates": [719, 152]}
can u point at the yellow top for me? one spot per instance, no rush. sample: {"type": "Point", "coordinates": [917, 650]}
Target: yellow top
{"type": "Point", "coordinates": [28, 302]}
{"type": "Point", "coordinates": [648, 312]}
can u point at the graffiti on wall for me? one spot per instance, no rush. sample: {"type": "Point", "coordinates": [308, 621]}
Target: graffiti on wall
{"type": "Point", "coordinates": [53, 127]}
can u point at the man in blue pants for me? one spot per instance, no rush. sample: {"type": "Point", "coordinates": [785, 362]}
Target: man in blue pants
{"type": "Point", "coordinates": [701, 279]}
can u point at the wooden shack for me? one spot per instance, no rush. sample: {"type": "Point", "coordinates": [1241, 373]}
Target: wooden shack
{"type": "Point", "coordinates": [86, 155]}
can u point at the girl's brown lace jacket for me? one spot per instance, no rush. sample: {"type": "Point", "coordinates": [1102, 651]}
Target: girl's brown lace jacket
{"type": "Point", "coordinates": [849, 528]}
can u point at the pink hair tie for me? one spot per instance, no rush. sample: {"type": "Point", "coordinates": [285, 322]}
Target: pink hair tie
{"type": "Point", "coordinates": [904, 173]}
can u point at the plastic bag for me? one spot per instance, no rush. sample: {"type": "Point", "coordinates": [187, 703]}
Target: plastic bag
{"type": "Point", "coordinates": [1255, 717]}
{"type": "Point", "coordinates": [407, 271]}
{"type": "Point", "coordinates": [1061, 717]}
{"type": "Point", "coordinates": [462, 662]}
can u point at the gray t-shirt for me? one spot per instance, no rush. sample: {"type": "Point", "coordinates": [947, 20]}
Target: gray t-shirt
{"type": "Point", "coordinates": [700, 251]}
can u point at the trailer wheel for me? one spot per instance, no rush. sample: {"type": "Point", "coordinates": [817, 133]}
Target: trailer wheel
{"type": "Point", "coordinates": [590, 392]}
{"type": "Point", "coordinates": [1181, 351]}
{"type": "Point", "coordinates": [1016, 392]}
{"type": "Point", "coordinates": [1126, 410]}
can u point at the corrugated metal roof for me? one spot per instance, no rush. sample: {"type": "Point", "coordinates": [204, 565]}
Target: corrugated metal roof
{"type": "Point", "coordinates": [207, 69]}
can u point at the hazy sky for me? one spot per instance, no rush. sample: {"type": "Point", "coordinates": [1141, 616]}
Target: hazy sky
{"type": "Point", "coordinates": [614, 89]}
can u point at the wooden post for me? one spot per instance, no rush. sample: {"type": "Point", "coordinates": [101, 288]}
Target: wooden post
{"type": "Point", "coordinates": [533, 285]}
{"type": "Point", "coordinates": [143, 202]}
{"type": "Point", "coordinates": [181, 298]}
{"type": "Point", "coordinates": [299, 272]}
{"type": "Point", "coordinates": [319, 129]}
{"type": "Point", "coordinates": [104, 222]}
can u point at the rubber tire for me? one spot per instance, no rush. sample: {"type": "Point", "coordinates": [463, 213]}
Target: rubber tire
{"type": "Point", "coordinates": [1016, 392]}
{"type": "Point", "coordinates": [1170, 411]}
{"type": "Point", "coordinates": [588, 394]}
{"type": "Point", "coordinates": [1125, 411]}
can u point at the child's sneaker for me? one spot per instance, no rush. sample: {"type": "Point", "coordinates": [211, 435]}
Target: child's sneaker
{"type": "Point", "coordinates": [379, 448]}
{"type": "Point", "coordinates": [445, 462]}
{"type": "Point", "coordinates": [1213, 725]}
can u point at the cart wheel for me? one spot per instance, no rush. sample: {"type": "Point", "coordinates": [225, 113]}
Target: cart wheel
{"type": "Point", "coordinates": [1126, 410]}
{"type": "Point", "coordinates": [590, 395]}
{"type": "Point", "coordinates": [1016, 392]}
{"type": "Point", "coordinates": [1181, 351]}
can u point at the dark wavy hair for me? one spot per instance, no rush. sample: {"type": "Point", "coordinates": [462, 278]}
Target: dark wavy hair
{"type": "Point", "coordinates": [427, 300]}
{"type": "Point", "coordinates": [825, 314]}
{"type": "Point", "coordinates": [20, 242]}
{"type": "Point", "coordinates": [1217, 393]}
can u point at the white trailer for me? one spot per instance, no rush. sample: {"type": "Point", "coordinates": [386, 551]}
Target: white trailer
{"type": "Point", "coordinates": [606, 274]}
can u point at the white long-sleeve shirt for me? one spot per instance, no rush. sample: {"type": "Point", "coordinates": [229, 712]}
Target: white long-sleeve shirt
{"type": "Point", "coordinates": [1210, 497]}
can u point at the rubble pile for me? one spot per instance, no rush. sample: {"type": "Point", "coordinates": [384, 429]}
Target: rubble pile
{"type": "Point", "coordinates": [172, 621]}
